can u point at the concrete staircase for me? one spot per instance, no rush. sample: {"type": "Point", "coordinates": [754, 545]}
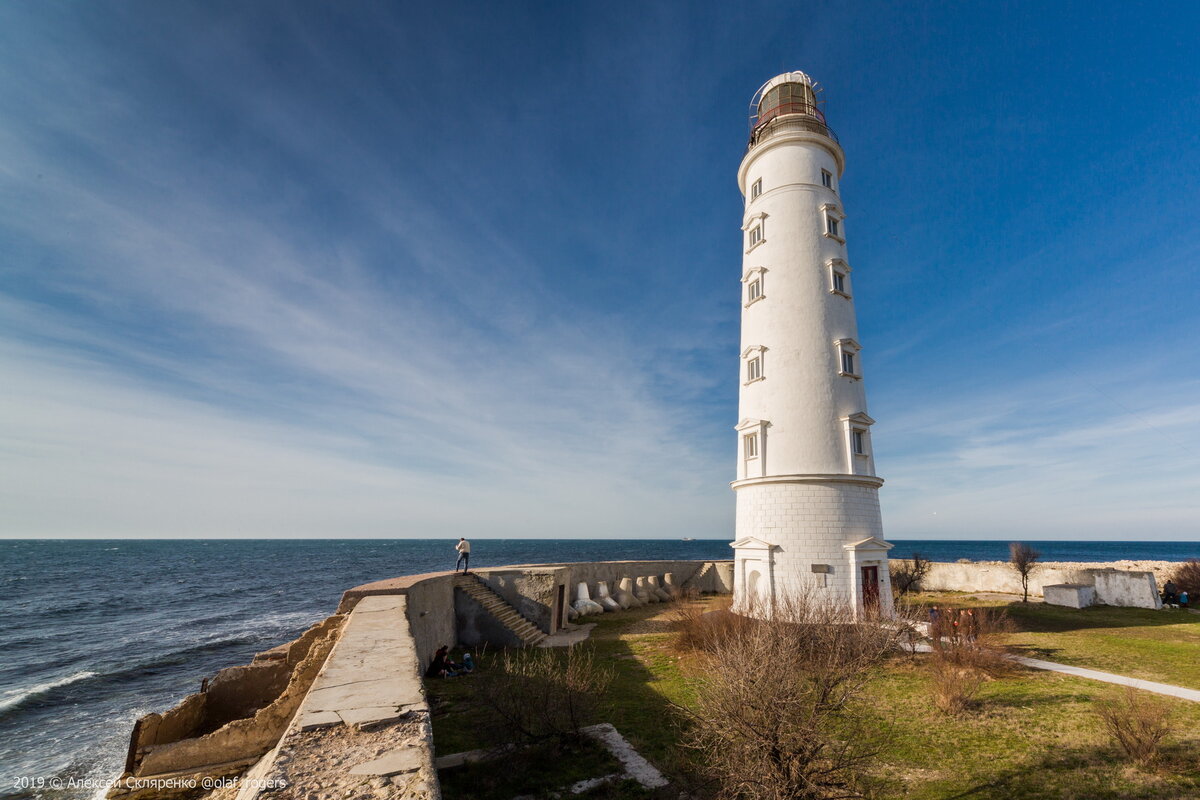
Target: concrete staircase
{"type": "Point", "coordinates": [499, 608]}
{"type": "Point", "coordinates": [696, 581]}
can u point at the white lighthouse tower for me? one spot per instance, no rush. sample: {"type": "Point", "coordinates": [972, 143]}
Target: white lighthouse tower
{"type": "Point", "coordinates": [808, 517]}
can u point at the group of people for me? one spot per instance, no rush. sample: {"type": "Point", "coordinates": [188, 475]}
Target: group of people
{"type": "Point", "coordinates": [954, 624]}
{"type": "Point", "coordinates": [440, 666]}
{"type": "Point", "coordinates": [1172, 596]}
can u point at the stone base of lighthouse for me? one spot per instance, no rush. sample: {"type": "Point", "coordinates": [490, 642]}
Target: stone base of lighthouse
{"type": "Point", "coordinates": [815, 537]}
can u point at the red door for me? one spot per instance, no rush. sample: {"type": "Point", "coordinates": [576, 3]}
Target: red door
{"type": "Point", "coordinates": [870, 588]}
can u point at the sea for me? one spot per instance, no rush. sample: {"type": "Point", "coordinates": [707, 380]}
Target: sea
{"type": "Point", "coordinates": [94, 633]}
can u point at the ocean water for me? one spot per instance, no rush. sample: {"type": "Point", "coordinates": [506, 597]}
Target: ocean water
{"type": "Point", "coordinates": [93, 634]}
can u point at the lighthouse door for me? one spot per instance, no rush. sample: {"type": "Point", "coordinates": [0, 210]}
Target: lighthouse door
{"type": "Point", "coordinates": [870, 588]}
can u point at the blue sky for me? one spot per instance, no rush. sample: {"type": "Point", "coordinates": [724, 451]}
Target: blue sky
{"type": "Point", "coordinates": [379, 269]}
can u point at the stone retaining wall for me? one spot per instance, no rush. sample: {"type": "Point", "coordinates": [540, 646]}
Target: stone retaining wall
{"type": "Point", "coordinates": [1116, 587]}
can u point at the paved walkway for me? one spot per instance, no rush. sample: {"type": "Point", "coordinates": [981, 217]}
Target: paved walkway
{"type": "Point", "coordinates": [1096, 675]}
{"type": "Point", "coordinates": [1108, 677]}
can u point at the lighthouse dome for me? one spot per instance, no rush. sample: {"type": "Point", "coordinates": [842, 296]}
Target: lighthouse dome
{"type": "Point", "coordinates": [789, 93]}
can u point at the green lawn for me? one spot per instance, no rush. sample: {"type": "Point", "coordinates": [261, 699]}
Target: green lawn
{"type": "Point", "coordinates": [1159, 646]}
{"type": "Point", "coordinates": [1032, 735]}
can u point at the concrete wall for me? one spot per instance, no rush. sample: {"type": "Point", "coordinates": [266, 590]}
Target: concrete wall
{"type": "Point", "coordinates": [1116, 587]}
{"type": "Point", "coordinates": [1113, 587]}
{"type": "Point", "coordinates": [188, 740]}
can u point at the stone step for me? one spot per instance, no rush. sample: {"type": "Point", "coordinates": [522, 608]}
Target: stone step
{"type": "Point", "coordinates": [501, 609]}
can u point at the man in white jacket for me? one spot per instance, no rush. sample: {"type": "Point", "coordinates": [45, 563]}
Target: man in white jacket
{"type": "Point", "coordinates": [464, 555]}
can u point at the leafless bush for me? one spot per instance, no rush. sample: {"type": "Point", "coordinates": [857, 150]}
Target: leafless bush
{"type": "Point", "coordinates": [700, 625]}
{"type": "Point", "coordinates": [1139, 723]}
{"type": "Point", "coordinates": [772, 717]}
{"type": "Point", "coordinates": [1023, 559]}
{"type": "Point", "coordinates": [967, 649]}
{"type": "Point", "coordinates": [907, 574]}
{"type": "Point", "coordinates": [543, 694]}
{"type": "Point", "coordinates": [1186, 577]}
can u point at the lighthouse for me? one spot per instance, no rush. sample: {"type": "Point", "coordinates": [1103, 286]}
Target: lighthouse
{"type": "Point", "coordinates": [808, 521]}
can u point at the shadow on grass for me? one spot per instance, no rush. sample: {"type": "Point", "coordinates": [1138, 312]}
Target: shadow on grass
{"type": "Point", "coordinates": [1042, 618]}
{"type": "Point", "coordinates": [638, 704]}
{"type": "Point", "coordinates": [1095, 773]}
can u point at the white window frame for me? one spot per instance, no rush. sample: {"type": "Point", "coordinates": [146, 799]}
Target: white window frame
{"type": "Point", "coordinates": [834, 229]}
{"type": "Point", "coordinates": [838, 267]}
{"type": "Point", "coordinates": [756, 231]}
{"type": "Point", "coordinates": [827, 179]}
{"type": "Point", "coordinates": [750, 445]}
{"type": "Point", "coordinates": [752, 466]}
{"type": "Point", "coordinates": [857, 427]}
{"type": "Point", "coordinates": [848, 347]}
{"type": "Point", "coordinates": [754, 275]}
{"type": "Point", "coordinates": [754, 357]}
{"type": "Point", "coordinates": [756, 189]}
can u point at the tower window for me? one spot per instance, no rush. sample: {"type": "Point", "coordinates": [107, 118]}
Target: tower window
{"type": "Point", "coordinates": [756, 189]}
{"type": "Point", "coordinates": [833, 222]}
{"type": "Point", "coordinates": [750, 445]}
{"type": "Point", "coordinates": [847, 354]}
{"type": "Point", "coordinates": [839, 277]}
{"type": "Point", "coordinates": [753, 356]}
{"type": "Point", "coordinates": [755, 235]}
{"type": "Point", "coordinates": [753, 291]}
{"type": "Point", "coordinates": [753, 279]}
{"type": "Point", "coordinates": [827, 179]}
{"type": "Point", "coordinates": [858, 444]}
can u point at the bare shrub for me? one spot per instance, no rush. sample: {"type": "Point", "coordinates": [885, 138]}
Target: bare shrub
{"type": "Point", "coordinates": [1186, 577]}
{"type": "Point", "coordinates": [1138, 722]}
{"type": "Point", "coordinates": [698, 625]}
{"type": "Point", "coordinates": [1023, 559]}
{"type": "Point", "coordinates": [773, 713]}
{"type": "Point", "coordinates": [907, 573]}
{"type": "Point", "coordinates": [966, 650]}
{"type": "Point", "coordinates": [543, 694]}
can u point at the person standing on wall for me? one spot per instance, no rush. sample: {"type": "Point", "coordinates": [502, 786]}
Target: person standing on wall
{"type": "Point", "coordinates": [464, 555]}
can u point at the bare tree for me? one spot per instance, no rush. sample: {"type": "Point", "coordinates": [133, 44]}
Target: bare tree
{"type": "Point", "coordinates": [907, 574]}
{"type": "Point", "coordinates": [543, 694]}
{"type": "Point", "coordinates": [1023, 559]}
{"type": "Point", "coordinates": [773, 717]}
{"type": "Point", "coordinates": [967, 647]}
{"type": "Point", "coordinates": [1138, 722]}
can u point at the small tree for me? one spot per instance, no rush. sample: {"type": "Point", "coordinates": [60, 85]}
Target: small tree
{"type": "Point", "coordinates": [543, 694]}
{"type": "Point", "coordinates": [907, 574]}
{"type": "Point", "coordinates": [967, 647]}
{"type": "Point", "coordinates": [1023, 559]}
{"type": "Point", "coordinates": [774, 714]}
{"type": "Point", "coordinates": [1137, 722]}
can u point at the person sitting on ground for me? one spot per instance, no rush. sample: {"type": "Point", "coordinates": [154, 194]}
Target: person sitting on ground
{"type": "Point", "coordinates": [1183, 599]}
{"type": "Point", "coordinates": [468, 663]}
{"type": "Point", "coordinates": [1169, 593]}
{"type": "Point", "coordinates": [439, 665]}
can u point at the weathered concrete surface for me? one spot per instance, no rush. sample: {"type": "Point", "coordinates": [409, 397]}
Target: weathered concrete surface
{"type": "Point", "coordinates": [169, 745]}
{"type": "Point", "coordinates": [363, 732]}
{"type": "Point", "coordinates": [1071, 595]}
{"type": "Point", "coordinates": [372, 675]}
{"type": "Point", "coordinates": [1117, 587]}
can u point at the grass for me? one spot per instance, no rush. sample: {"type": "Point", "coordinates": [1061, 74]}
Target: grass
{"type": "Point", "coordinates": [1161, 646]}
{"type": "Point", "coordinates": [538, 771]}
{"type": "Point", "coordinates": [1031, 735]}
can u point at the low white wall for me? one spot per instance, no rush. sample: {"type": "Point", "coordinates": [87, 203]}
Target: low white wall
{"type": "Point", "coordinates": [1114, 587]}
